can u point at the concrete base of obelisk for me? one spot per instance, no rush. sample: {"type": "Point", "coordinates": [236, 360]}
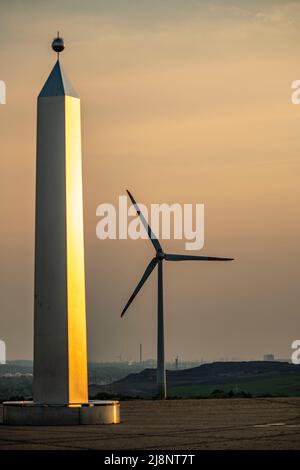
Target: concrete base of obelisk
{"type": "Point", "coordinates": [28, 413]}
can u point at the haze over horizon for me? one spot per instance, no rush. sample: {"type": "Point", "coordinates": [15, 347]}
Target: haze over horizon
{"type": "Point", "coordinates": [186, 102]}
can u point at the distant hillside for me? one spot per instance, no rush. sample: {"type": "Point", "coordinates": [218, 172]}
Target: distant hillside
{"type": "Point", "coordinates": [16, 367]}
{"type": "Point", "coordinates": [256, 378]}
{"type": "Point", "coordinates": [231, 378]}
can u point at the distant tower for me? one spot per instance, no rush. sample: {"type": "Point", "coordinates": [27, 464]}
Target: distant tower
{"type": "Point", "coordinates": [119, 357]}
{"type": "Point", "coordinates": [60, 352]}
{"type": "Point", "coordinates": [141, 353]}
{"type": "Point", "coordinates": [176, 362]}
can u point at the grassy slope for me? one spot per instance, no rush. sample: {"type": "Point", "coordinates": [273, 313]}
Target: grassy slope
{"type": "Point", "coordinates": [281, 385]}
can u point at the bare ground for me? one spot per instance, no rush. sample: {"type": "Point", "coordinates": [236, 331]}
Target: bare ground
{"type": "Point", "coordinates": [263, 423]}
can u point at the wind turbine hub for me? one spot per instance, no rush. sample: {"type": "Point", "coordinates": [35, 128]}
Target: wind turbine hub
{"type": "Point", "coordinates": [160, 255]}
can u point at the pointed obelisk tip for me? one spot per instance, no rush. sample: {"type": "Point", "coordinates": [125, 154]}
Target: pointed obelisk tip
{"type": "Point", "coordinates": [58, 44]}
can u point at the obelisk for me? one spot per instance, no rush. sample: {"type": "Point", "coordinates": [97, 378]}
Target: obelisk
{"type": "Point", "coordinates": [60, 385]}
{"type": "Point", "coordinates": [60, 351]}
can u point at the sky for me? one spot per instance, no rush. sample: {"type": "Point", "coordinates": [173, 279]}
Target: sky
{"type": "Point", "coordinates": [182, 101]}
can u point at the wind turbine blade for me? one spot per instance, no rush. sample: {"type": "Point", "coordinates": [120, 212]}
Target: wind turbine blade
{"type": "Point", "coordinates": [151, 235]}
{"type": "Point", "coordinates": [171, 257]}
{"type": "Point", "coordinates": [145, 276]}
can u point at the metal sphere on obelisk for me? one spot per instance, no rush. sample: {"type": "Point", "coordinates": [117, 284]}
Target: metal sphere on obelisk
{"type": "Point", "coordinates": [58, 44]}
{"type": "Point", "coordinates": [60, 379]}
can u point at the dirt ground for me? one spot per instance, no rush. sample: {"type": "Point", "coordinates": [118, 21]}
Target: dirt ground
{"type": "Point", "coordinates": [176, 424]}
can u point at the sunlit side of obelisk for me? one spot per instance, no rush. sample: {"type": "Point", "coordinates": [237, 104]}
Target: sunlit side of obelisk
{"type": "Point", "coordinates": [60, 351]}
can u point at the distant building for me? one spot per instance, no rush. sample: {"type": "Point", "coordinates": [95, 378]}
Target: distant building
{"type": "Point", "coordinates": [268, 357]}
{"type": "Point", "coordinates": [2, 352]}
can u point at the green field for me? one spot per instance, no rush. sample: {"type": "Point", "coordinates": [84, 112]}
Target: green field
{"type": "Point", "coordinates": [278, 385]}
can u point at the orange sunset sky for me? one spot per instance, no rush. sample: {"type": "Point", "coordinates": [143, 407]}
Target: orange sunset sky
{"type": "Point", "coordinates": [182, 101]}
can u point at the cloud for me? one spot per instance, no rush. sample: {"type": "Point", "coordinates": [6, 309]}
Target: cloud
{"type": "Point", "coordinates": [283, 16]}
{"type": "Point", "coordinates": [232, 11]}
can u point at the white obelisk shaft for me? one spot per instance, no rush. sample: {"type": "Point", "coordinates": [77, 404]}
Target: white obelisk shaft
{"type": "Point", "coordinates": [60, 356]}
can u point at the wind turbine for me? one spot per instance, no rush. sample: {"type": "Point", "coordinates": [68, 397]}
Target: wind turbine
{"type": "Point", "coordinates": [158, 261]}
